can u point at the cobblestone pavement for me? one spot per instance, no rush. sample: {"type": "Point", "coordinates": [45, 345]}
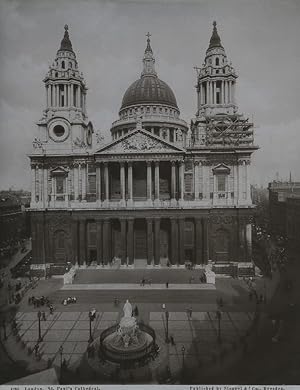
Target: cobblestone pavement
{"type": "Point", "coordinates": [70, 330]}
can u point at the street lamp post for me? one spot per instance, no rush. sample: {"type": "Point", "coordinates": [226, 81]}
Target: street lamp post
{"type": "Point", "coordinates": [167, 327]}
{"type": "Point", "coordinates": [91, 318]}
{"type": "Point", "coordinates": [219, 315]}
{"type": "Point", "coordinates": [183, 352]}
{"type": "Point", "coordinates": [61, 359]}
{"type": "Point", "coordinates": [39, 314]}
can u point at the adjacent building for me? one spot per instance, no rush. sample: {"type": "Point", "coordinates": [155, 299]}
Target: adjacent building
{"type": "Point", "coordinates": [279, 192]}
{"type": "Point", "coordinates": [161, 193]}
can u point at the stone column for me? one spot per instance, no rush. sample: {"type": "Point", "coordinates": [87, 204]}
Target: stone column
{"type": "Point", "coordinates": [45, 185]}
{"type": "Point", "coordinates": [248, 189]}
{"type": "Point", "coordinates": [235, 184]}
{"type": "Point", "coordinates": [82, 242]}
{"type": "Point", "coordinates": [149, 181]}
{"type": "Point", "coordinates": [41, 184]}
{"type": "Point", "coordinates": [181, 240]}
{"type": "Point", "coordinates": [240, 181]}
{"type": "Point", "coordinates": [198, 240]}
{"type": "Point", "coordinates": [230, 92]}
{"type": "Point", "coordinates": [75, 241]}
{"type": "Point", "coordinates": [106, 240]}
{"type": "Point", "coordinates": [173, 182]}
{"type": "Point", "coordinates": [157, 241]}
{"type": "Point", "coordinates": [99, 240]}
{"type": "Point", "coordinates": [130, 239]}
{"type": "Point", "coordinates": [205, 240]}
{"type": "Point", "coordinates": [215, 92]}
{"type": "Point", "coordinates": [65, 96]}
{"type": "Point", "coordinates": [181, 180]}
{"type": "Point", "coordinates": [72, 95]}
{"type": "Point", "coordinates": [78, 96]}
{"type": "Point", "coordinates": [98, 183]}
{"type": "Point", "coordinates": [52, 189]}
{"type": "Point", "coordinates": [33, 184]}
{"type": "Point", "coordinates": [106, 179]}
{"type": "Point", "coordinates": [122, 182]}
{"type": "Point", "coordinates": [156, 175]}
{"type": "Point", "coordinates": [198, 97]}
{"type": "Point", "coordinates": [83, 179]}
{"type": "Point", "coordinates": [196, 178]}
{"type": "Point", "coordinates": [76, 181]}
{"type": "Point", "coordinates": [149, 241]}
{"type": "Point", "coordinates": [174, 241]}
{"type": "Point", "coordinates": [130, 194]}
{"type": "Point", "coordinates": [67, 188]}
{"type": "Point", "coordinates": [123, 240]}
{"type": "Point", "coordinates": [249, 241]}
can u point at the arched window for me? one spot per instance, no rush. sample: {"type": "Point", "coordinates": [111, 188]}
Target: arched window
{"type": "Point", "coordinates": [70, 64]}
{"type": "Point", "coordinates": [63, 64]}
{"type": "Point", "coordinates": [217, 61]}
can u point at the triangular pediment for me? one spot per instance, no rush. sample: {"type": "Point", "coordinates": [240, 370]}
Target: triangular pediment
{"type": "Point", "coordinates": [59, 171]}
{"type": "Point", "coordinates": [221, 168]}
{"type": "Point", "coordinates": [139, 141]}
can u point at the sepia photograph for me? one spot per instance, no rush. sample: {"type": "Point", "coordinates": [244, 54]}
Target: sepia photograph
{"type": "Point", "coordinates": [149, 194]}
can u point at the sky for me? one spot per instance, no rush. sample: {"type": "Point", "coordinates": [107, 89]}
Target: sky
{"type": "Point", "coordinates": [260, 37]}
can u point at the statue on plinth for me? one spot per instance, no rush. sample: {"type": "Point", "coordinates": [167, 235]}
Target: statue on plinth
{"type": "Point", "coordinates": [127, 309]}
{"type": "Point", "coordinates": [128, 326]}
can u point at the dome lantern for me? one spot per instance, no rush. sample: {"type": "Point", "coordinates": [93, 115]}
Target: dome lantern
{"type": "Point", "coordinates": [148, 59]}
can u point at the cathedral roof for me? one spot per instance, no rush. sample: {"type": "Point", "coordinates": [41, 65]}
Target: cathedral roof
{"type": "Point", "coordinates": [66, 43]}
{"type": "Point", "coordinates": [215, 40]}
{"type": "Point", "coordinates": [149, 89]}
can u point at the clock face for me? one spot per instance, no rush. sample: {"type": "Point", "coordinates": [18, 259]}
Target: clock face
{"type": "Point", "coordinates": [58, 131]}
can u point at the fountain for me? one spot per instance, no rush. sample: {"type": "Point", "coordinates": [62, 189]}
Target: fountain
{"type": "Point", "coordinates": [128, 340]}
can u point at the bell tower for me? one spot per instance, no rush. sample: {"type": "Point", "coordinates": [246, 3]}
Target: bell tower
{"type": "Point", "coordinates": [216, 80]}
{"type": "Point", "coordinates": [64, 126]}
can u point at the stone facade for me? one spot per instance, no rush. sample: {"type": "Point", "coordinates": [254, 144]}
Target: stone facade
{"type": "Point", "coordinates": [155, 195]}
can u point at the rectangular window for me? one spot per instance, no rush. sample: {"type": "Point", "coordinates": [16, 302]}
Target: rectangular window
{"type": "Point", "coordinates": [91, 184]}
{"type": "Point", "coordinates": [60, 185]}
{"type": "Point", "coordinates": [221, 183]}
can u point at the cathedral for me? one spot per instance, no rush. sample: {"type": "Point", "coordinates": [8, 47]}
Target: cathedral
{"type": "Point", "coordinates": [162, 193]}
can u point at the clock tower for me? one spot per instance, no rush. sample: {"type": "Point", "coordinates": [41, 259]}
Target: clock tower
{"type": "Point", "coordinates": [64, 127]}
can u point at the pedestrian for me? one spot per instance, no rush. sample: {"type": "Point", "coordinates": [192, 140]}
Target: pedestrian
{"type": "Point", "coordinates": [167, 284]}
{"type": "Point", "coordinates": [36, 349]}
{"type": "Point", "coordinates": [43, 316]}
{"type": "Point", "coordinates": [51, 309]}
{"type": "Point", "coordinates": [172, 340]}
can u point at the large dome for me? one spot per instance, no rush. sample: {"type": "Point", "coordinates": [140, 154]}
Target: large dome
{"type": "Point", "coordinates": [149, 89]}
